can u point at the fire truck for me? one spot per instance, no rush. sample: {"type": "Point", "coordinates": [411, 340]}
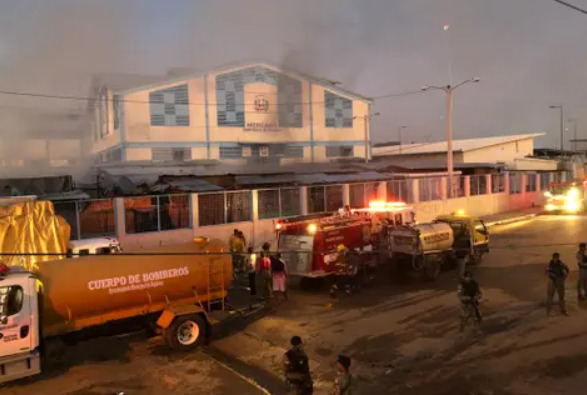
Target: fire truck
{"type": "Point", "coordinates": [310, 243]}
{"type": "Point", "coordinates": [566, 197]}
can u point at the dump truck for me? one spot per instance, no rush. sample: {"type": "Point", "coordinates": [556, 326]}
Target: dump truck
{"type": "Point", "coordinates": [427, 247]}
{"type": "Point", "coordinates": [64, 297]}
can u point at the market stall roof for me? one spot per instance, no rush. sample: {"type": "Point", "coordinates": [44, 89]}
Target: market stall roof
{"type": "Point", "coordinates": [308, 179]}
{"type": "Point", "coordinates": [187, 185]}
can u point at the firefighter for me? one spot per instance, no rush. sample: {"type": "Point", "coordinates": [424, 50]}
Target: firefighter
{"type": "Point", "coordinates": [347, 268]}
{"type": "Point", "coordinates": [340, 269]}
{"type": "Point", "coordinates": [557, 274]}
{"type": "Point", "coordinates": [297, 369]}
{"type": "Point", "coordinates": [469, 296]}
{"type": "Point", "coordinates": [582, 263]}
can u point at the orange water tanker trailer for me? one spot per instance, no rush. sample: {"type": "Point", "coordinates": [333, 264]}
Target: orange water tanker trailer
{"type": "Point", "coordinates": [173, 293]}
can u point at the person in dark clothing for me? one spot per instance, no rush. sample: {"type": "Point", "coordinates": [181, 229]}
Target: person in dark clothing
{"type": "Point", "coordinates": [557, 274]}
{"type": "Point", "coordinates": [582, 281]}
{"type": "Point", "coordinates": [343, 384]}
{"type": "Point", "coordinates": [469, 295]}
{"type": "Point", "coordinates": [297, 369]}
{"type": "Point", "coordinates": [279, 275]}
{"type": "Point", "coordinates": [348, 269]}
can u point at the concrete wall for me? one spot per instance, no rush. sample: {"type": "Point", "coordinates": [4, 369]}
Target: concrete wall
{"type": "Point", "coordinates": [259, 231]}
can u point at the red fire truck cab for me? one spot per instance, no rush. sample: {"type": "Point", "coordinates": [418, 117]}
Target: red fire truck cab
{"type": "Point", "coordinates": [309, 243]}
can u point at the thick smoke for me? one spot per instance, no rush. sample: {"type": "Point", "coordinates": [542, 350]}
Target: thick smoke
{"type": "Point", "coordinates": [527, 56]}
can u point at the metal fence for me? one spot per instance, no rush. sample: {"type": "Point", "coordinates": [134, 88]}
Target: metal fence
{"type": "Point", "coordinates": [363, 193]}
{"type": "Point", "coordinates": [515, 183]}
{"type": "Point", "coordinates": [478, 185]}
{"type": "Point", "coordinates": [88, 218]}
{"type": "Point", "coordinates": [531, 182]}
{"type": "Point", "coordinates": [278, 203]}
{"type": "Point", "coordinates": [544, 181]}
{"type": "Point", "coordinates": [224, 207]}
{"type": "Point", "coordinates": [429, 189]}
{"type": "Point", "coordinates": [325, 198]}
{"type": "Point", "coordinates": [400, 191]}
{"type": "Point", "coordinates": [156, 213]}
{"type": "Point", "coordinates": [497, 183]}
{"type": "Point", "coordinates": [458, 187]}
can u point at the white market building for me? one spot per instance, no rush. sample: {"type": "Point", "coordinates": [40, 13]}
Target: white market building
{"type": "Point", "coordinates": [240, 114]}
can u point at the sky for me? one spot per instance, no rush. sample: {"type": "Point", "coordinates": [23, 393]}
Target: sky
{"type": "Point", "coordinates": [528, 55]}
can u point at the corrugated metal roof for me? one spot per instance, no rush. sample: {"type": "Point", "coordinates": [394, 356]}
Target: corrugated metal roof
{"type": "Point", "coordinates": [309, 179]}
{"type": "Point", "coordinates": [187, 185]}
{"type": "Point", "coordinates": [458, 145]}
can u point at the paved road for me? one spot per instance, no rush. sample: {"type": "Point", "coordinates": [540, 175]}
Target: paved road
{"type": "Point", "coordinates": [133, 365]}
{"type": "Point", "coordinates": [404, 339]}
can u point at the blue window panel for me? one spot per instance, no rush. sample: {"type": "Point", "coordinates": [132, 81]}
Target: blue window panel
{"type": "Point", "coordinates": [170, 107]}
{"type": "Point", "coordinates": [231, 101]}
{"type": "Point", "coordinates": [339, 151]}
{"type": "Point", "coordinates": [338, 111]}
{"type": "Point", "coordinates": [231, 152]}
{"type": "Point", "coordinates": [116, 111]}
{"type": "Point", "coordinates": [293, 151]}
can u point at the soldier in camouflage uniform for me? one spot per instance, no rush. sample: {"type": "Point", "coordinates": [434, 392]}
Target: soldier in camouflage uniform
{"type": "Point", "coordinates": [469, 295]}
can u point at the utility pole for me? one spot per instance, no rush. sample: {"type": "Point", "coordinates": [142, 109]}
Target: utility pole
{"type": "Point", "coordinates": [366, 120]}
{"type": "Point", "coordinates": [448, 89]}
{"type": "Point", "coordinates": [449, 153]}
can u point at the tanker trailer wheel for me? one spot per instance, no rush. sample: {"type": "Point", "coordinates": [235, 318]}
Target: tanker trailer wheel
{"type": "Point", "coordinates": [186, 332]}
{"type": "Point", "coordinates": [432, 268]}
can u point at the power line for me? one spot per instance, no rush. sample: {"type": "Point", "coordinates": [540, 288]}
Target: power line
{"type": "Point", "coordinates": [91, 99]}
{"type": "Point", "coordinates": [574, 7]}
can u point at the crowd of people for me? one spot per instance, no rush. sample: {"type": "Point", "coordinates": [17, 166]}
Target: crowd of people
{"type": "Point", "coordinates": [267, 275]}
{"type": "Point", "coordinates": [266, 271]}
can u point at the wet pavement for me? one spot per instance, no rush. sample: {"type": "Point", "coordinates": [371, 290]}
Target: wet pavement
{"type": "Point", "coordinates": [401, 335]}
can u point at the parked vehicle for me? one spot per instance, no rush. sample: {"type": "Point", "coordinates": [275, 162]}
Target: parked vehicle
{"type": "Point", "coordinates": [309, 243]}
{"type": "Point", "coordinates": [68, 296]}
{"type": "Point", "coordinates": [566, 197]}
{"type": "Point", "coordinates": [427, 247]}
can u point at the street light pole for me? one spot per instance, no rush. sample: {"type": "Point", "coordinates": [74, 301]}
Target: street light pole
{"type": "Point", "coordinates": [399, 135]}
{"type": "Point", "coordinates": [449, 153]}
{"type": "Point", "coordinates": [562, 126]}
{"type": "Point", "coordinates": [448, 90]}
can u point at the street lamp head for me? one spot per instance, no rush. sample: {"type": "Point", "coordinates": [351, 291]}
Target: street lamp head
{"type": "Point", "coordinates": [475, 79]}
{"type": "Point", "coordinates": [425, 88]}
{"type": "Point", "coordinates": [375, 114]}
{"type": "Point", "coordinates": [555, 106]}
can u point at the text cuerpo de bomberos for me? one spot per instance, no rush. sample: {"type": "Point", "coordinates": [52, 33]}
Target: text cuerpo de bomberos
{"type": "Point", "coordinates": [138, 281]}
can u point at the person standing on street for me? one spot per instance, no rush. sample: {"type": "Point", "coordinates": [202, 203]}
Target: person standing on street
{"type": "Point", "coordinates": [264, 270]}
{"type": "Point", "coordinates": [557, 274]}
{"type": "Point", "coordinates": [252, 266]}
{"type": "Point", "coordinates": [469, 295]}
{"type": "Point", "coordinates": [582, 263]}
{"type": "Point", "coordinates": [344, 382]}
{"type": "Point", "coordinates": [279, 273]}
{"type": "Point", "coordinates": [297, 369]}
